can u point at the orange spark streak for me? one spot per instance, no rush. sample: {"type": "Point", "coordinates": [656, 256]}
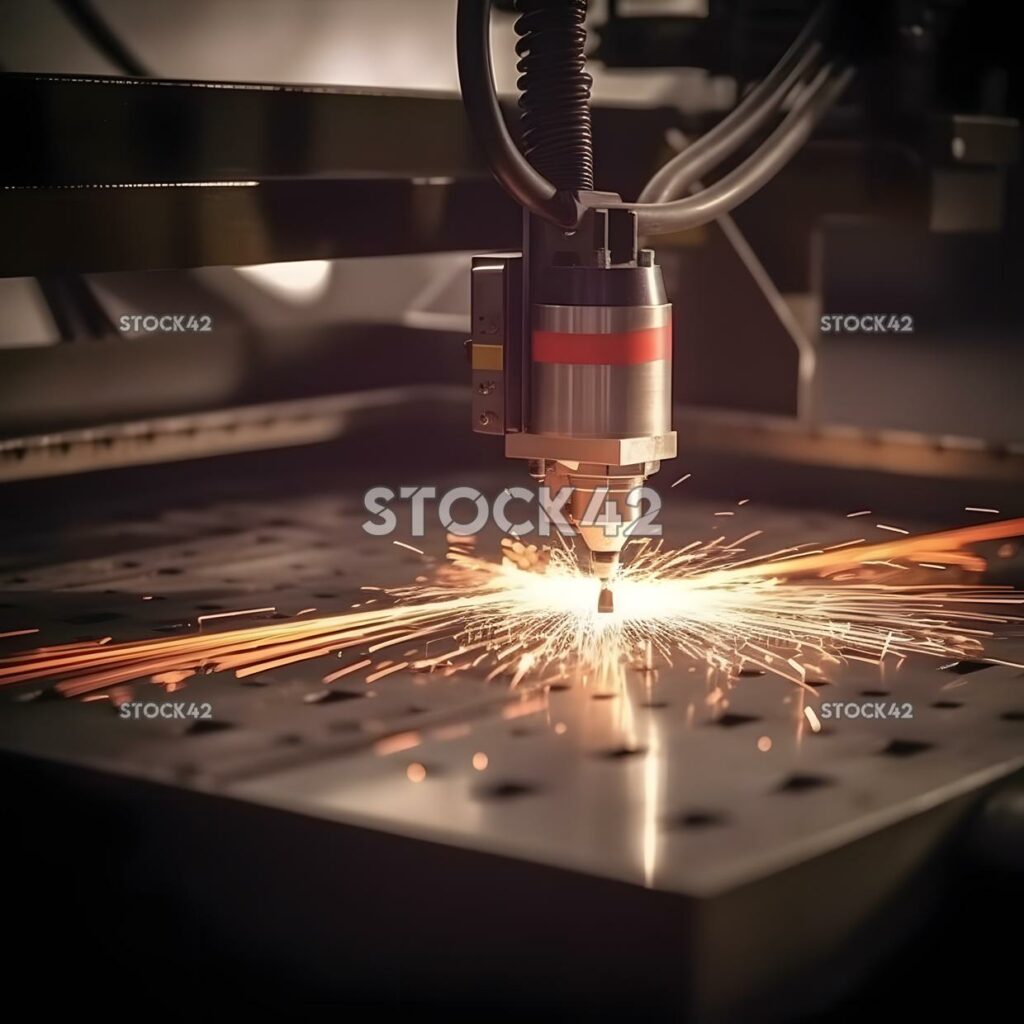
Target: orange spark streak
{"type": "Point", "coordinates": [380, 674]}
{"type": "Point", "coordinates": [697, 600]}
{"type": "Point", "coordinates": [348, 670]}
{"type": "Point", "coordinates": [408, 547]}
{"type": "Point", "coordinates": [231, 615]}
{"type": "Point", "coordinates": [950, 540]}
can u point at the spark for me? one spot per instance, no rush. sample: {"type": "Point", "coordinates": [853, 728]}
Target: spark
{"type": "Point", "coordinates": [397, 743]}
{"type": "Point", "coordinates": [682, 479]}
{"type": "Point", "coordinates": [990, 511]}
{"type": "Point", "coordinates": [381, 673]}
{"type": "Point", "coordinates": [863, 512]}
{"type": "Point", "coordinates": [408, 547]}
{"type": "Point", "coordinates": [893, 529]}
{"type": "Point", "coordinates": [348, 670]}
{"type": "Point", "coordinates": [779, 613]}
{"type": "Point", "coordinates": [235, 614]}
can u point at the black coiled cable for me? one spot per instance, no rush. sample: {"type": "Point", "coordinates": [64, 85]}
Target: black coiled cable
{"type": "Point", "coordinates": [555, 91]}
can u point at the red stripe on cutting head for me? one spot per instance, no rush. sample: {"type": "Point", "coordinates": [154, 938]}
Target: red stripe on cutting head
{"type": "Point", "coordinates": [623, 348]}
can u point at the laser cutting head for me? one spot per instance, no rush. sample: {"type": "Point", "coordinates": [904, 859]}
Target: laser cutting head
{"type": "Point", "coordinates": [572, 363]}
{"type": "Point", "coordinates": [600, 507]}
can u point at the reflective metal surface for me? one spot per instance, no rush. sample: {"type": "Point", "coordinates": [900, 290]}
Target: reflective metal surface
{"type": "Point", "coordinates": [699, 809]}
{"type": "Point", "coordinates": [602, 401]}
{"type": "Point", "coordinates": [665, 783]}
{"type": "Point", "coordinates": [600, 319]}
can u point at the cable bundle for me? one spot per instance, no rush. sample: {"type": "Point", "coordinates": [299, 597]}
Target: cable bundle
{"type": "Point", "coordinates": [556, 119]}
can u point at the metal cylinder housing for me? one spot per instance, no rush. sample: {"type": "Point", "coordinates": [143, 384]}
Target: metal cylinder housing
{"type": "Point", "coordinates": [602, 371]}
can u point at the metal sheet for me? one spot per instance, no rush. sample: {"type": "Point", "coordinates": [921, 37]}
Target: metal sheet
{"type": "Point", "coordinates": [656, 786]}
{"type": "Point", "coordinates": [658, 791]}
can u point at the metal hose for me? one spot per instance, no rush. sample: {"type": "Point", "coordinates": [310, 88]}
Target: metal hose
{"type": "Point", "coordinates": [749, 116]}
{"type": "Point", "coordinates": [555, 91]}
{"type": "Point", "coordinates": [757, 170]}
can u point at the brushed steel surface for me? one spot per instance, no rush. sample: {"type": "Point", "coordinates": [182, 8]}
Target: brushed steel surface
{"type": "Point", "coordinates": [654, 786]}
{"type": "Point", "coordinates": [602, 401]}
{"type": "Point", "coordinates": [600, 319]}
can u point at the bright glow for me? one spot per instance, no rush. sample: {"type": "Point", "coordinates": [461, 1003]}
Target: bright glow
{"type": "Point", "coordinates": [301, 282]}
{"type": "Point", "coordinates": [789, 613]}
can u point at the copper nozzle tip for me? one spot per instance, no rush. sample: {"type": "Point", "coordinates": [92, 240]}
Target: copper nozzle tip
{"type": "Point", "coordinates": [605, 600]}
{"type": "Point", "coordinates": [604, 564]}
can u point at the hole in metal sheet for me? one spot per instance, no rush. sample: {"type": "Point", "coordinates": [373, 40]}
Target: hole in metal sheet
{"type": "Point", "coordinates": [289, 740]}
{"type": "Point", "coordinates": [655, 705]}
{"type": "Point", "coordinates": [209, 607]}
{"type": "Point", "coordinates": [205, 726]}
{"type": "Point", "coordinates": [946, 704]}
{"type": "Point", "coordinates": [508, 790]}
{"type": "Point", "coordinates": [558, 687]}
{"type": "Point", "coordinates": [732, 718]}
{"type": "Point", "coordinates": [326, 696]}
{"type": "Point", "coordinates": [749, 673]}
{"type": "Point", "coordinates": [1016, 715]}
{"type": "Point", "coordinates": [603, 696]}
{"type": "Point", "coordinates": [621, 753]}
{"type": "Point", "coordinates": [874, 693]}
{"type": "Point", "coordinates": [699, 819]}
{"type": "Point", "coordinates": [904, 748]}
{"type": "Point", "coordinates": [817, 683]}
{"type": "Point", "coordinates": [169, 570]}
{"type": "Point", "coordinates": [802, 782]}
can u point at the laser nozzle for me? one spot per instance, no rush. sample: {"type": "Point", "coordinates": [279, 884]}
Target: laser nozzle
{"type": "Point", "coordinates": [604, 564]}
